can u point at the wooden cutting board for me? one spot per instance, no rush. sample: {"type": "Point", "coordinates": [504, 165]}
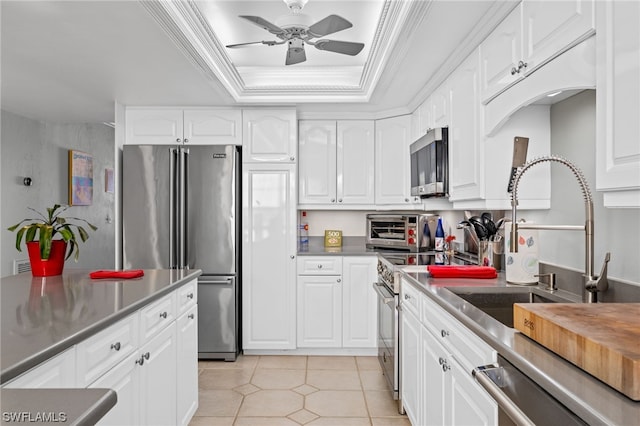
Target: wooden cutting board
{"type": "Point", "coordinates": [601, 338]}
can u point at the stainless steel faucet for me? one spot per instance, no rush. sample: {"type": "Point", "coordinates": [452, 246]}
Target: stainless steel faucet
{"type": "Point", "coordinates": [592, 284]}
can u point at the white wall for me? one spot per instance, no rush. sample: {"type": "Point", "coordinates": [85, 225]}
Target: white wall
{"type": "Point", "coordinates": [573, 137]}
{"type": "Point", "coordinates": [352, 223]}
{"type": "Point", "coordinates": [39, 150]}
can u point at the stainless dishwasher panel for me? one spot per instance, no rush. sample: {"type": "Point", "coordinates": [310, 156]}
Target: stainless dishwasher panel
{"type": "Point", "coordinates": [218, 317]}
{"type": "Point", "coordinates": [520, 400]}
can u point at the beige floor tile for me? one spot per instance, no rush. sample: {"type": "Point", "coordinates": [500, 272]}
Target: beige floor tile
{"type": "Point", "coordinates": [340, 421]}
{"type": "Point", "coordinates": [275, 403]}
{"type": "Point", "coordinates": [303, 416]}
{"type": "Point", "coordinates": [337, 403]}
{"type": "Point", "coordinates": [381, 404]}
{"type": "Point", "coordinates": [218, 403]}
{"type": "Point", "coordinates": [264, 421]}
{"type": "Point", "coordinates": [290, 362]}
{"type": "Point", "coordinates": [373, 380]}
{"type": "Point", "coordinates": [212, 421]}
{"type": "Point", "coordinates": [275, 378]}
{"type": "Point", "coordinates": [243, 361]}
{"type": "Point", "coordinates": [368, 363]}
{"type": "Point", "coordinates": [391, 421]}
{"type": "Point", "coordinates": [331, 363]}
{"type": "Point", "coordinates": [246, 389]}
{"type": "Point", "coordinates": [334, 379]}
{"type": "Point", "coordinates": [223, 379]}
{"type": "Point", "coordinates": [305, 389]}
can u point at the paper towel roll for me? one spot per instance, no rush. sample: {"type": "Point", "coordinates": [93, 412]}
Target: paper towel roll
{"type": "Point", "coordinates": [522, 267]}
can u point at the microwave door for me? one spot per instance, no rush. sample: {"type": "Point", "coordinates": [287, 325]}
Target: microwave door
{"type": "Point", "coordinates": [423, 169]}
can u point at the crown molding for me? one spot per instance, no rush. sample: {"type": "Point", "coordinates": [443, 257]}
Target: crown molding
{"type": "Point", "coordinates": [188, 28]}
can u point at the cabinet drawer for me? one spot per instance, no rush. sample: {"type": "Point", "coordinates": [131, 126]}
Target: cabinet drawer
{"type": "Point", "coordinates": [410, 298]}
{"type": "Point", "coordinates": [187, 296]}
{"type": "Point", "coordinates": [156, 316]}
{"type": "Point", "coordinates": [320, 265]}
{"type": "Point", "coordinates": [99, 353]}
{"type": "Point", "coordinates": [465, 346]}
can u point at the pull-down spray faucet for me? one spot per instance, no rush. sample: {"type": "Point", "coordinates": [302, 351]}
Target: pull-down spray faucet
{"type": "Point", "coordinates": [592, 284]}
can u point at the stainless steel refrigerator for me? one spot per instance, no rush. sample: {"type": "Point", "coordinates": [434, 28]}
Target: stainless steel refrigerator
{"type": "Point", "coordinates": [181, 210]}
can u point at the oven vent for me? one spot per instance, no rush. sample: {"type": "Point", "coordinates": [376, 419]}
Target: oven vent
{"type": "Point", "coordinates": [21, 265]}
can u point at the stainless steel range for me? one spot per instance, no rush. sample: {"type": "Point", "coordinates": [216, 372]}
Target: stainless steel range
{"type": "Point", "coordinates": [388, 289]}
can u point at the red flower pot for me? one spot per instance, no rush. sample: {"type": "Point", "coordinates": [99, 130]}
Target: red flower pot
{"type": "Point", "coordinates": [51, 266]}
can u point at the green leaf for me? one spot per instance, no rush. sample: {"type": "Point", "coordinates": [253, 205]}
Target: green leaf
{"type": "Point", "coordinates": [19, 238]}
{"type": "Point", "coordinates": [31, 232]}
{"type": "Point", "coordinates": [46, 233]}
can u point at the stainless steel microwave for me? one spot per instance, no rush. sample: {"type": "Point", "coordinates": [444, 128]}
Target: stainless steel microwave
{"type": "Point", "coordinates": [430, 164]}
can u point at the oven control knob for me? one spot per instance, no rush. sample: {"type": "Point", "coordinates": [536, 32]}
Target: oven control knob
{"type": "Point", "coordinates": [412, 240]}
{"type": "Point", "coordinates": [411, 232]}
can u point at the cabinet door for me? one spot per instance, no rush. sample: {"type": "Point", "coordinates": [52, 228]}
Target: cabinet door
{"type": "Point", "coordinates": [410, 371]}
{"type": "Point", "coordinates": [268, 256]}
{"type": "Point", "coordinates": [320, 311]}
{"type": "Point", "coordinates": [355, 162]}
{"type": "Point", "coordinates": [466, 157]}
{"type": "Point", "coordinates": [469, 403]}
{"type": "Point", "coordinates": [435, 380]}
{"type": "Point", "coordinates": [158, 379]}
{"type": "Point", "coordinates": [153, 126]}
{"type": "Point", "coordinates": [212, 127]}
{"type": "Point", "coordinates": [440, 101]}
{"type": "Point", "coordinates": [187, 366]}
{"type": "Point", "coordinates": [393, 169]}
{"type": "Point", "coordinates": [550, 28]}
{"type": "Point", "coordinates": [317, 162]}
{"type": "Point", "coordinates": [618, 103]}
{"type": "Point", "coordinates": [57, 372]}
{"type": "Point", "coordinates": [500, 53]}
{"type": "Point", "coordinates": [269, 136]}
{"type": "Point", "coordinates": [123, 379]}
{"type": "Point", "coordinates": [359, 318]}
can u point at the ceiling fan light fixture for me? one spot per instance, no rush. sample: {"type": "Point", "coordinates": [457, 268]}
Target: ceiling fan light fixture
{"type": "Point", "coordinates": [295, 4]}
{"type": "Point", "coordinates": [298, 20]}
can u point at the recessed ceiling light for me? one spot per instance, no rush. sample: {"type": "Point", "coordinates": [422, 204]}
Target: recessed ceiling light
{"type": "Point", "coordinates": [551, 95]}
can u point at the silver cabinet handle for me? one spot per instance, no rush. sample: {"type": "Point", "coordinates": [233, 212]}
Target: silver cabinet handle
{"type": "Point", "coordinates": [190, 296]}
{"type": "Point", "coordinates": [191, 316]}
{"type": "Point", "coordinates": [444, 333]}
{"type": "Point", "coordinates": [163, 315]}
{"type": "Point", "coordinates": [186, 140]}
{"type": "Point", "coordinates": [339, 280]}
{"type": "Point", "coordinates": [514, 71]}
{"type": "Point", "coordinates": [441, 360]}
{"type": "Point", "coordinates": [445, 367]}
{"type": "Point", "coordinates": [333, 200]}
{"type": "Point", "coordinates": [407, 297]}
{"type": "Point", "coordinates": [339, 200]}
{"type": "Point", "coordinates": [521, 65]}
{"type": "Point", "coordinates": [319, 266]}
{"type": "Point", "coordinates": [115, 346]}
{"type": "Point", "coordinates": [292, 257]}
{"type": "Point", "coordinates": [142, 358]}
{"type": "Point", "coordinates": [146, 356]}
{"type": "Point", "coordinates": [292, 158]}
{"type": "Point", "coordinates": [406, 200]}
{"type": "Point", "coordinates": [178, 140]}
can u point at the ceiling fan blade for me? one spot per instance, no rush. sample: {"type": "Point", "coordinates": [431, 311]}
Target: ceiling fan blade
{"type": "Point", "coordinates": [344, 47]}
{"type": "Point", "coordinates": [329, 25]}
{"type": "Point", "coordinates": [268, 43]}
{"type": "Point", "coordinates": [295, 56]}
{"type": "Point", "coordinates": [263, 23]}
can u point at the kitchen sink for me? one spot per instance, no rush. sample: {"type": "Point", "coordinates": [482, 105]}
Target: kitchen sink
{"type": "Point", "coordinates": [498, 303]}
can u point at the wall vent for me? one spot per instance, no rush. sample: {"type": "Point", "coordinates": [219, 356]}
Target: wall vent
{"type": "Point", "coordinates": [21, 265]}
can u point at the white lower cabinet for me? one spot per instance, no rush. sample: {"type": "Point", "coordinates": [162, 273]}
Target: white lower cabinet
{"type": "Point", "coordinates": [336, 302]}
{"type": "Point", "coordinates": [437, 356]}
{"type": "Point", "coordinates": [123, 379]}
{"type": "Point", "coordinates": [57, 372]}
{"type": "Point", "coordinates": [187, 365]}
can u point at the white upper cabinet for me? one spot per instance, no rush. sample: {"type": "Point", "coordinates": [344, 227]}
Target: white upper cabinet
{"type": "Point", "coordinates": [534, 33]}
{"type": "Point", "coordinates": [618, 103]}
{"type": "Point", "coordinates": [336, 162]}
{"type": "Point", "coordinates": [169, 126]}
{"type": "Point", "coordinates": [466, 154]}
{"type": "Point", "coordinates": [393, 169]}
{"type": "Point", "coordinates": [269, 135]}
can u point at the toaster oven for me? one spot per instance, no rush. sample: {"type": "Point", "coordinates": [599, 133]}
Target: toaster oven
{"type": "Point", "coordinates": [401, 231]}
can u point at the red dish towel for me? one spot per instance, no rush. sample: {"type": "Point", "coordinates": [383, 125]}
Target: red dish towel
{"type": "Point", "coordinates": [132, 273]}
{"type": "Point", "coordinates": [460, 271]}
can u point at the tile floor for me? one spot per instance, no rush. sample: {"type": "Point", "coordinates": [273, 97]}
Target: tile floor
{"type": "Point", "coordinates": [295, 390]}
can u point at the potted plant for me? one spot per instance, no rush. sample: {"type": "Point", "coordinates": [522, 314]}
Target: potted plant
{"type": "Point", "coordinates": [46, 254]}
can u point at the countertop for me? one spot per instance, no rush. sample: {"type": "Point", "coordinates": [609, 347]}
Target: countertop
{"type": "Point", "coordinates": [56, 406]}
{"type": "Point", "coordinates": [588, 397]}
{"type": "Point", "coordinates": [42, 317]}
{"type": "Point", "coordinates": [351, 246]}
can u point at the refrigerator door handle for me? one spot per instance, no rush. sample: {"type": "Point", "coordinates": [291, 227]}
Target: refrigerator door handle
{"type": "Point", "coordinates": [182, 204]}
{"type": "Point", "coordinates": [173, 263]}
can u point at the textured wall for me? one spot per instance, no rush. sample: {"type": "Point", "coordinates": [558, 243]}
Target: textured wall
{"type": "Point", "coordinates": [39, 150]}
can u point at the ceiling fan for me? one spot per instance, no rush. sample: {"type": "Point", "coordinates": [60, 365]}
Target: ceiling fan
{"type": "Point", "coordinates": [296, 29]}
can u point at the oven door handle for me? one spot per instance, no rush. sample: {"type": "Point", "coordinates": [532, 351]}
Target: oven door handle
{"type": "Point", "coordinates": [483, 377]}
{"type": "Point", "coordinates": [386, 300]}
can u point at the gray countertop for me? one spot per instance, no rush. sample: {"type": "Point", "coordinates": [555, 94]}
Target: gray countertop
{"type": "Point", "coordinates": [588, 397]}
{"type": "Point", "coordinates": [56, 406]}
{"type": "Point", "coordinates": [42, 317]}
{"type": "Point", "coordinates": [351, 246]}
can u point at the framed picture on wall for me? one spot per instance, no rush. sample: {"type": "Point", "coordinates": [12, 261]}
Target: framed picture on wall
{"type": "Point", "coordinates": [80, 178]}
